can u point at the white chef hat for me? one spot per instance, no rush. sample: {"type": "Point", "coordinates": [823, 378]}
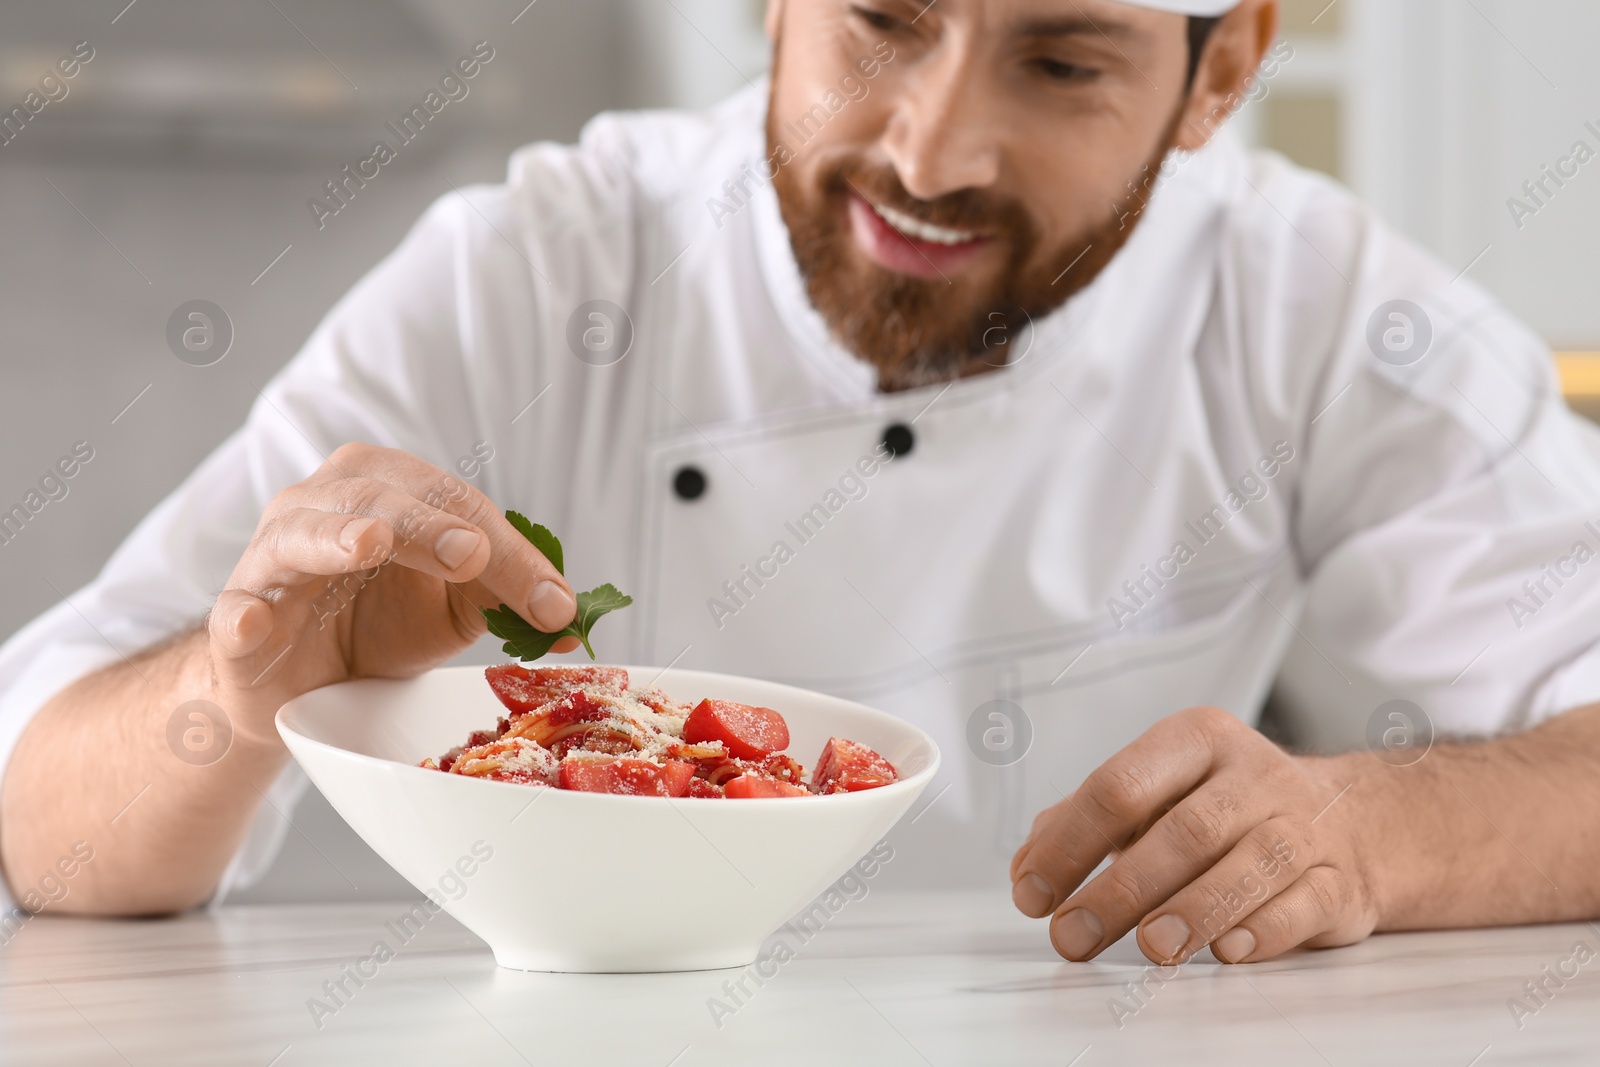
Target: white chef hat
{"type": "Point", "coordinates": [1207, 8]}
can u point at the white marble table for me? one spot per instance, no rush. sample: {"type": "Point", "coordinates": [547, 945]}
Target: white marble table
{"type": "Point", "coordinates": [944, 979]}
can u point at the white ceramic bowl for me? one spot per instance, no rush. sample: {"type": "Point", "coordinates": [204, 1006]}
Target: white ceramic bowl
{"type": "Point", "coordinates": [584, 881]}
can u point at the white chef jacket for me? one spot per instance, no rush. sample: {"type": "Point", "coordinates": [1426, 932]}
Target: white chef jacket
{"type": "Point", "coordinates": [1354, 530]}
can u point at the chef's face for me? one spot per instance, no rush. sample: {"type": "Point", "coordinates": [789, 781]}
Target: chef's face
{"type": "Point", "coordinates": [949, 170]}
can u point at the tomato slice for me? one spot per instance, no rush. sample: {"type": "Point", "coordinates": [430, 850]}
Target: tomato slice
{"type": "Point", "coordinates": [753, 786]}
{"type": "Point", "coordinates": [677, 776]}
{"type": "Point", "coordinates": [847, 767]}
{"type": "Point", "coordinates": [746, 732]}
{"type": "Point", "coordinates": [631, 777]}
{"type": "Point", "coordinates": [522, 689]}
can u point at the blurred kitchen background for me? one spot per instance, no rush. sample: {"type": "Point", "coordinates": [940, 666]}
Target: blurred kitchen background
{"type": "Point", "coordinates": [179, 165]}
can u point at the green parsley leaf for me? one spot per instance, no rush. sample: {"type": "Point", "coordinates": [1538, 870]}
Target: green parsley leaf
{"type": "Point", "coordinates": [601, 600]}
{"type": "Point", "coordinates": [545, 541]}
{"type": "Point", "coordinates": [525, 641]}
{"type": "Point", "coordinates": [521, 639]}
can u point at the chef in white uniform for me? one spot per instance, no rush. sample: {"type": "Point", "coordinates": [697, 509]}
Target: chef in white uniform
{"type": "Point", "coordinates": [1266, 446]}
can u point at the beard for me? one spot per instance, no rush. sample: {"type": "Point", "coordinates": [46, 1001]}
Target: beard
{"type": "Point", "coordinates": [918, 331]}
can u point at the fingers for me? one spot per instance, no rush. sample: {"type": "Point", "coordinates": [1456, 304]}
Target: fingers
{"type": "Point", "coordinates": [507, 570]}
{"type": "Point", "coordinates": [239, 623]}
{"type": "Point", "coordinates": [421, 537]}
{"type": "Point", "coordinates": [297, 544]}
{"type": "Point", "coordinates": [240, 628]}
{"type": "Point", "coordinates": [1040, 821]}
{"type": "Point", "coordinates": [1264, 863]}
{"type": "Point", "coordinates": [518, 575]}
{"type": "Point", "coordinates": [1114, 803]}
{"type": "Point", "coordinates": [1181, 847]}
{"type": "Point", "coordinates": [1313, 910]}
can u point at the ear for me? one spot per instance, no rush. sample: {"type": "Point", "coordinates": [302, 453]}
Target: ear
{"type": "Point", "coordinates": [1229, 62]}
{"type": "Point", "coordinates": [774, 18]}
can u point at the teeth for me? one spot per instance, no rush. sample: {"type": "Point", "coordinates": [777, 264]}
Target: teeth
{"type": "Point", "coordinates": [912, 226]}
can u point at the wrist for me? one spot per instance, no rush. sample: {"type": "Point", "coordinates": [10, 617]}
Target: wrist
{"type": "Point", "coordinates": [1364, 814]}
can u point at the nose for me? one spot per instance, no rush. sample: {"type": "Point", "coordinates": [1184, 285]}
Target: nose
{"type": "Point", "coordinates": [941, 137]}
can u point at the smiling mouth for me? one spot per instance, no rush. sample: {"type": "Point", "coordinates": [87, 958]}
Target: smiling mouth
{"type": "Point", "coordinates": [913, 227]}
{"type": "Point", "coordinates": [905, 244]}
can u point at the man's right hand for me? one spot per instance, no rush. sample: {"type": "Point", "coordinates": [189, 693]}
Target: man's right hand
{"type": "Point", "coordinates": [375, 566]}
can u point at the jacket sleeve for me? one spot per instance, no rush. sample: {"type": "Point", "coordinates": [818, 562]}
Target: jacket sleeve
{"type": "Point", "coordinates": [1447, 518]}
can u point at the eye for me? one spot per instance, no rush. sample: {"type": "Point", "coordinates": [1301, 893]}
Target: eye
{"type": "Point", "coordinates": [874, 18]}
{"type": "Point", "coordinates": [1056, 70]}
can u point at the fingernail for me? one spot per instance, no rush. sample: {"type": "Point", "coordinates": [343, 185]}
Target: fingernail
{"type": "Point", "coordinates": [454, 546]}
{"type": "Point", "coordinates": [1166, 936]}
{"type": "Point", "coordinates": [1077, 933]}
{"type": "Point", "coordinates": [1033, 896]}
{"type": "Point", "coordinates": [1235, 945]}
{"type": "Point", "coordinates": [236, 619]}
{"type": "Point", "coordinates": [551, 606]}
{"type": "Point", "coordinates": [351, 534]}
{"type": "Point", "coordinates": [238, 627]}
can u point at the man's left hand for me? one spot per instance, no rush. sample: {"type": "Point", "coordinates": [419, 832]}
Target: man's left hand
{"type": "Point", "coordinates": [1219, 838]}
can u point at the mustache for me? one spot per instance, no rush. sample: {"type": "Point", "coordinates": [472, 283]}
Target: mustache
{"type": "Point", "coordinates": [964, 209]}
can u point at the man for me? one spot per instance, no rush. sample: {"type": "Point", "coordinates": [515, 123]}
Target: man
{"type": "Point", "coordinates": [990, 378]}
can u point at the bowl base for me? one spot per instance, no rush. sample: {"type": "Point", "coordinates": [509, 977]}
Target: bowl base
{"type": "Point", "coordinates": [613, 963]}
